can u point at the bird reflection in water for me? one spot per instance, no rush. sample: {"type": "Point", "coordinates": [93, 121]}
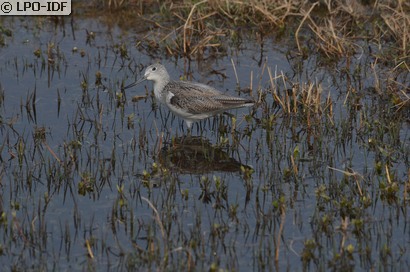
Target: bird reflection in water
{"type": "Point", "coordinates": [196, 155]}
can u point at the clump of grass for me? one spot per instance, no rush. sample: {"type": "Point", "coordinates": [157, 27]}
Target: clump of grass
{"type": "Point", "coordinates": [4, 32]}
{"type": "Point", "coordinates": [396, 19]}
{"type": "Point", "coordinates": [333, 28]}
{"type": "Point", "coordinates": [307, 101]}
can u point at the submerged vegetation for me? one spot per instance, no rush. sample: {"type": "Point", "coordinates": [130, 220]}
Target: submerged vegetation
{"type": "Point", "coordinates": [315, 177]}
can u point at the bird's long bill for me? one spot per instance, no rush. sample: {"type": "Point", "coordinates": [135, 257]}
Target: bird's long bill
{"type": "Point", "coordinates": [135, 83]}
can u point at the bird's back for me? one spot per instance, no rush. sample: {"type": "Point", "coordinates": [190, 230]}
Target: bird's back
{"type": "Point", "coordinates": [197, 98]}
{"type": "Point", "coordinates": [188, 88]}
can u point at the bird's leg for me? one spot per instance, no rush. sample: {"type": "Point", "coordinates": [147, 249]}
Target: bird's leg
{"type": "Point", "coordinates": [189, 129]}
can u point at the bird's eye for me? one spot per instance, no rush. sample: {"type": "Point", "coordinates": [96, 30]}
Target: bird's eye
{"type": "Point", "coordinates": [154, 68]}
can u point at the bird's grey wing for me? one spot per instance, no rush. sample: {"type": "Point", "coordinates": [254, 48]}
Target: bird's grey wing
{"type": "Point", "coordinates": [197, 98]}
{"type": "Point", "coordinates": [203, 90]}
{"type": "Point", "coordinates": [191, 88]}
{"type": "Point", "coordinates": [231, 101]}
{"type": "Point", "coordinates": [196, 104]}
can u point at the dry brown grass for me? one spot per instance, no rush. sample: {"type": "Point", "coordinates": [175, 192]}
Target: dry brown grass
{"type": "Point", "coordinates": [397, 19]}
{"type": "Point", "coordinates": [200, 29]}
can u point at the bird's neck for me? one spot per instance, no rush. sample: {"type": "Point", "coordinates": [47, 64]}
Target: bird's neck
{"type": "Point", "coordinates": [159, 88]}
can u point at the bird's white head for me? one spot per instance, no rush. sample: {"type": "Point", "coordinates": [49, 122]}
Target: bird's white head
{"type": "Point", "coordinates": [157, 73]}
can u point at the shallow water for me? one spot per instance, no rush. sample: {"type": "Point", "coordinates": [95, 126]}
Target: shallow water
{"type": "Point", "coordinates": [81, 161]}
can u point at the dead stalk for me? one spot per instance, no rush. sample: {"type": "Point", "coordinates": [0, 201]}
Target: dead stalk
{"type": "Point", "coordinates": [278, 238]}
{"type": "Point", "coordinates": [236, 74]}
{"type": "Point", "coordinates": [307, 15]}
{"type": "Point", "coordinates": [188, 22]}
{"type": "Point", "coordinates": [157, 219]}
